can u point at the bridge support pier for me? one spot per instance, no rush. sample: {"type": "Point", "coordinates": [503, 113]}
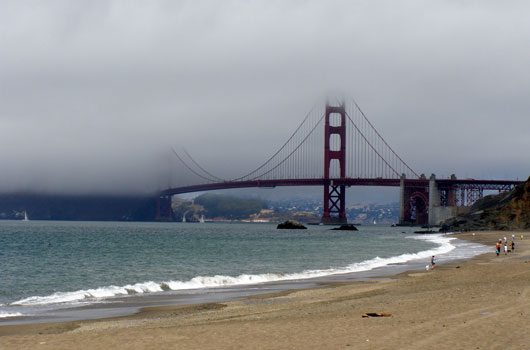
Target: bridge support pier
{"type": "Point", "coordinates": [441, 207]}
{"type": "Point", "coordinates": [434, 200]}
{"type": "Point", "coordinates": [414, 202]}
{"type": "Point", "coordinates": [443, 201]}
{"type": "Point", "coordinates": [164, 212]}
{"type": "Point", "coordinates": [402, 200]}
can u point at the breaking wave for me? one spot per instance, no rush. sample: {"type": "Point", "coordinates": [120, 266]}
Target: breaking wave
{"type": "Point", "coordinates": [9, 314]}
{"type": "Point", "coordinates": [200, 282]}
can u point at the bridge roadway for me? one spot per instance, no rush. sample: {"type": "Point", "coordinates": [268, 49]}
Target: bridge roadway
{"type": "Point", "coordinates": [442, 183]}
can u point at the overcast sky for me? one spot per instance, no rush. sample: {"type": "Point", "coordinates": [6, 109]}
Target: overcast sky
{"type": "Point", "coordinates": [93, 94]}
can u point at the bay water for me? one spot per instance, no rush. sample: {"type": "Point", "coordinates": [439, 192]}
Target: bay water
{"type": "Point", "coordinates": [49, 267]}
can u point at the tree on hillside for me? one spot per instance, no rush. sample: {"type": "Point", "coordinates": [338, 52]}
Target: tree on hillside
{"type": "Point", "coordinates": [230, 207]}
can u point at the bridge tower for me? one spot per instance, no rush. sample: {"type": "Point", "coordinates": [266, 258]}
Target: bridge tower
{"type": "Point", "coordinates": [335, 156]}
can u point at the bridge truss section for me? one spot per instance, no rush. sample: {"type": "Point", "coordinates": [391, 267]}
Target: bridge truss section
{"type": "Point", "coordinates": [467, 192]}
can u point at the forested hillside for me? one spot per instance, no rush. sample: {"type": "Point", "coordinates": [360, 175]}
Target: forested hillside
{"type": "Point", "coordinates": [229, 207]}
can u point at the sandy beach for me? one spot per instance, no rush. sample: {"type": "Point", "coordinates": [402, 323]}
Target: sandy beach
{"type": "Point", "coordinates": [483, 303]}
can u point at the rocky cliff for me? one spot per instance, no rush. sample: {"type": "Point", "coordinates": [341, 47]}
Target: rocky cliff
{"type": "Point", "coordinates": [504, 211]}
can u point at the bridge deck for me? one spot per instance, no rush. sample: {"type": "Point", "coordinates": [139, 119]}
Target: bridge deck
{"type": "Point", "coordinates": [486, 184]}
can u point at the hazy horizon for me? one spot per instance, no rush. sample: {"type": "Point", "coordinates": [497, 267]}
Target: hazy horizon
{"type": "Point", "coordinates": [95, 94]}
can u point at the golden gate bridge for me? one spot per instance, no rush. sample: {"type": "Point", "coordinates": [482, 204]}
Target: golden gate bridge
{"type": "Point", "coordinates": [336, 147]}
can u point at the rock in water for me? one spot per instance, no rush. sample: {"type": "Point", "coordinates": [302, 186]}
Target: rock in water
{"type": "Point", "coordinates": [291, 224]}
{"type": "Point", "coordinates": [424, 232]}
{"type": "Point", "coordinates": [345, 228]}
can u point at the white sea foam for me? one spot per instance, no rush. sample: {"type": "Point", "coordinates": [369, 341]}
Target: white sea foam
{"type": "Point", "coordinates": [91, 294]}
{"type": "Point", "coordinates": [199, 282]}
{"type": "Point", "coordinates": [9, 314]}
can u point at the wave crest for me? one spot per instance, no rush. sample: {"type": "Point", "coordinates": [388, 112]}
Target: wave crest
{"type": "Point", "coordinates": [201, 282]}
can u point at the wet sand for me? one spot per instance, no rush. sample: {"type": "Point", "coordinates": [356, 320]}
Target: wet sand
{"type": "Point", "coordinates": [483, 303]}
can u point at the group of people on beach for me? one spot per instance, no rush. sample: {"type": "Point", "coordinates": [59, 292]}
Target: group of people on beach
{"type": "Point", "coordinates": [500, 244]}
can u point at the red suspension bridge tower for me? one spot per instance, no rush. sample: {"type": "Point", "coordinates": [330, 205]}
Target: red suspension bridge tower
{"type": "Point", "coordinates": [334, 159]}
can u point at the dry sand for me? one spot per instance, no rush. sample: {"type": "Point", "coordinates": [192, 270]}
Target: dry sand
{"type": "Point", "coordinates": [479, 304]}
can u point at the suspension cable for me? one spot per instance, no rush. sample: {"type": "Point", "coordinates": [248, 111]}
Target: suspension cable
{"type": "Point", "coordinates": [189, 168]}
{"type": "Point", "coordinates": [200, 167]}
{"type": "Point", "coordinates": [278, 151]}
{"type": "Point", "coordinates": [369, 144]}
{"type": "Point", "coordinates": [377, 132]}
{"type": "Point", "coordinates": [293, 151]}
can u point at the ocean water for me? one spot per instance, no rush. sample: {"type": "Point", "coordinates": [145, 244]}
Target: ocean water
{"type": "Point", "coordinates": [50, 266]}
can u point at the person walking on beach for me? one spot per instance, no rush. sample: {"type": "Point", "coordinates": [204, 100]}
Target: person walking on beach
{"type": "Point", "coordinates": [433, 262]}
{"type": "Point", "coordinates": [513, 246]}
{"type": "Point", "coordinates": [505, 249]}
{"type": "Point", "coordinates": [497, 249]}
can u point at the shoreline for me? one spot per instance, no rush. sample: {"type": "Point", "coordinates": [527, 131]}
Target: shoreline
{"type": "Point", "coordinates": [449, 249]}
{"type": "Point", "coordinates": [483, 302]}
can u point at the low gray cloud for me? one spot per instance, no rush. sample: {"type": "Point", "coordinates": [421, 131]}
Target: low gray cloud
{"type": "Point", "coordinates": [93, 94]}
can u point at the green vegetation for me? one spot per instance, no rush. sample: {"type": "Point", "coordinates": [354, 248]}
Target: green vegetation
{"type": "Point", "coordinates": [229, 207]}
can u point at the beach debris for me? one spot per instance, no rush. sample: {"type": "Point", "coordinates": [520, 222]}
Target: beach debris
{"type": "Point", "coordinates": [291, 224]}
{"type": "Point", "coordinates": [375, 314]}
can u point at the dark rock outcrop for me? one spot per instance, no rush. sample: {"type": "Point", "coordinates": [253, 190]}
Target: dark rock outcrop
{"type": "Point", "coordinates": [291, 225]}
{"type": "Point", "coordinates": [345, 228]}
{"type": "Point", "coordinates": [504, 211]}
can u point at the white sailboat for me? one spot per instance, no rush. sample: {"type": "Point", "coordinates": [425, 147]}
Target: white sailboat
{"type": "Point", "coordinates": [202, 219]}
{"type": "Point", "coordinates": [184, 218]}
{"type": "Point", "coordinates": [25, 216]}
